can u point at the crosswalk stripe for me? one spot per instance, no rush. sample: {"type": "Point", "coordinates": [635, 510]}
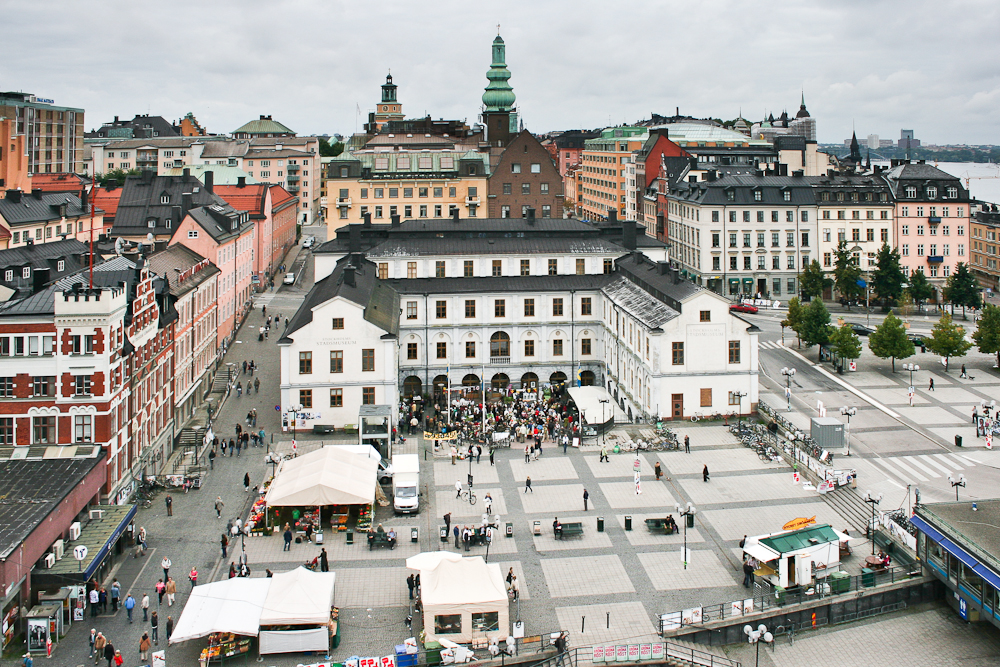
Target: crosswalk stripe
{"type": "Point", "coordinates": [907, 468]}
{"type": "Point", "coordinates": [965, 458]}
{"type": "Point", "coordinates": [962, 462]}
{"type": "Point", "coordinates": [931, 461]}
{"type": "Point", "coordinates": [946, 462]}
{"type": "Point", "coordinates": [912, 460]}
{"type": "Point", "coordinates": [884, 463]}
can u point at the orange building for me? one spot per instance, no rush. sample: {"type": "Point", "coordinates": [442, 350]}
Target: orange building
{"type": "Point", "coordinates": [602, 181]}
{"type": "Point", "coordinates": [13, 160]}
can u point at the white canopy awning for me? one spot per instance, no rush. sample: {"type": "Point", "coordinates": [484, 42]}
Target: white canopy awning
{"type": "Point", "coordinates": [233, 605]}
{"type": "Point", "coordinates": [431, 559]}
{"type": "Point", "coordinates": [596, 405]}
{"type": "Point", "coordinates": [462, 582]}
{"type": "Point", "coordinates": [299, 597]}
{"type": "Point", "coordinates": [327, 476]}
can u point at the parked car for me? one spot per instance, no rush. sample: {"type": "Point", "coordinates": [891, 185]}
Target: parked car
{"type": "Point", "coordinates": [309, 242]}
{"type": "Point", "coordinates": [916, 339]}
{"type": "Point", "coordinates": [289, 279]}
{"type": "Point", "coordinates": [742, 308]}
{"type": "Point", "coordinates": [862, 330]}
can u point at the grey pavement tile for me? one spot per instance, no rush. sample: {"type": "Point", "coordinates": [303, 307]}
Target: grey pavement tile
{"type": "Point", "coordinates": [585, 575]}
{"type": "Point", "coordinates": [622, 495]}
{"type": "Point", "coordinates": [617, 465]}
{"type": "Point", "coordinates": [383, 586]}
{"type": "Point", "coordinates": [930, 415]}
{"type": "Point", "coordinates": [737, 458]}
{"type": "Point", "coordinates": [704, 570]}
{"type": "Point", "coordinates": [640, 536]}
{"type": "Point", "coordinates": [461, 511]}
{"type": "Point", "coordinates": [741, 489]}
{"type": "Point", "coordinates": [610, 623]}
{"type": "Point", "coordinates": [446, 474]}
{"type": "Point", "coordinates": [591, 539]}
{"type": "Point", "coordinates": [549, 467]}
{"type": "Point", "coordinates": [897, 396]}
{"type": "Point", "coordinates": [702, 434]}
{"type": "Point", "coordinates": [551, 498]}
{"type": "Point", "coordinates": [732, 524]}
{"type": "Point", "coordinates": [953, 396]}
{"type": "Point", "coordinates": [524, 585]}
{"type": "Point", "coordinates": [866, 379]}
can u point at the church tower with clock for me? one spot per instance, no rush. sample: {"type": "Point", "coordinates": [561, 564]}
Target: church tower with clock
{"type": "Point", "coordinates": [389, 108]}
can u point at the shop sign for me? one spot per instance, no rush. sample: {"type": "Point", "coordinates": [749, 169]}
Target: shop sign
{"type": "Point", "coordinates": [801, 522]}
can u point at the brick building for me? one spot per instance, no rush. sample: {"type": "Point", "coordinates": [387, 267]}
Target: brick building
{"type": "Point", "coordinates": [524, 177]}
{"type": "Point", "coordinates": [272, 210]}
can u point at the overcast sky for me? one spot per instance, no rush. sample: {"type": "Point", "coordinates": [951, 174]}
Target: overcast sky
{"type": "Point", "coordinates": [875, 65]}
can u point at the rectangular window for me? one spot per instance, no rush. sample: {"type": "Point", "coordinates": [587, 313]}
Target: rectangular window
{"type": "Point", "coordinates": [43, 430]}
{"type": "Point", "coordinates": [734, 351]}
{"type": "Point", "coordinates": [442, 350]}
{"type": "Point", "coordinates": [470, 349]}
{"type": "Point", "coordinates": [43, 386]}
{"type": "Point", "coordinates": [411, 351]}
{"type": "Point", "coordinates": [500, 308]}
{"type": "Point", "coordinates": [525, 188]}
{"type": "Point", "coordinates": [557, 307]}
{"type": "Point", "coordinates": [677, 354]}
{"type": "Point", "coordinates": [411, 270]}
{"type": "Point", "coordinates": [706, 316]}
{"type": "Point", "coordinates": [368, 360]}
{"type": "Point", "coordinates": [467, 268]}
{"type": "Point", "coordinates": [585, 346]}
{"type": "Point", "coordinates": [529, 307]}
{"type": "Point", "coordinates": [338, 323]}
{"type": "Point", "coordinates": [411, 310]}
{"type": "Point", "coordinates": [305, 363]}
{"type": "Point", "coordinates": [732, 239]}
{"type": "Point", "coordinates": [470, 308]}
{"type": "Point", "coordinates": [336, 361]}
{"type": "Point", "coordinates": [805, 239]}
{"type": "Point", "coordinates": [529, 347]}
{"type": "Point", "coordinates": [544, 188]}
{"type": "Point", "coordinates": [746, 263]}
{"type": "Point", "coordinates": [441, 309]}
{"type": "Point", "coordinates": [368, 395]}
{"type": "Point", "coordinates": [83, 428]}
{"type": "Point", "coordinates": [6, 430]}
{"type": "Point", "coordinates": [525, 267]}
{"type": "Point", "coordinates": [383, 270]}
{"type": "Point", "coordinates": [497, 267]}
{"type": "Point", "coordinates": [439, 269]}
{"type": "Point", "coordinates": [553, 267]}
{"type": "Point", "coordinates": [608, 266]}
{"type": "Point", "coordinates": [586, 307]}
{"type": "Point", "coordinates": [557, 347]}
{"type": "Point", "coordinates": [775, 236]}
{"type": "Point", "coordinates": [306, 398]}
{"type": "Point", "coordinates": [7, 387]}
{"type": "Point", "coordinates": [336, 398]}
{"type": "Point", "coordinates": [906, 250]}
{"type": "Point", "coordinates": [81, 385]}
{"type": "Point", "coordinates": [515, 168]}
{"type": "Point", "coordinates": [580, 267]}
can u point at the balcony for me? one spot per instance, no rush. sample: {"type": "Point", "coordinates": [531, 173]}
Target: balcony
{"type": "Point", "coordinates": [344, 201]}
{"type": "Point", "coordinates": [473, 201]}
{"type": "Point", "coordinates": [499, 361]}
{"type": "Point", "coordinates": [293, 178]}
{"type": "Point", "coordinates": [933, 220]}
{"type": "Point", "coordinates": [292, 167]}
{"type": "Point", "coordinates": [292, 188]}
{"type": "Point", "coordinates": [935, 259]}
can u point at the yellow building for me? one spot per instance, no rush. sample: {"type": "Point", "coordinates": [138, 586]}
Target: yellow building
{"type": "Point", "coordinates": [602, 181]}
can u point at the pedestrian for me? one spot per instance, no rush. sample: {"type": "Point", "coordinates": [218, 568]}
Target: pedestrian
{"type": "Point", "coordinates": [95, 601]}
{"type": "Point", "coordinates": [565, 443]}
{"type": "Point", "coordinates": [244, 367]}
{"type": "Point", "coordinates": [171, 591]}
{"type": "Point", "coordinates": [129, 606]}
{"type": "Point", "coordinates": [491, 456]}
{"type": "Point", "coordinates": [223, 446]}
{"type": "Point", "coordinates": [743, 542]}
{"type": "Point", "coordinates": [211, 459]}
{"type": "Point", "coordinates": [447, 523]}
{"type": "Point", "coordinates": [193, 577]}
{"type": "Point", "coordinates": [527, 453]}
{"type": "Point", "coordinates": [154, 625]}
{"type": "Point", "coordinates": [218, 509]}
{"type": "Point", "coordinates": [930, 387]}
{"type": "Point", "coordinates": [510, 576]}
{"type": "Point", "coordinates": [109, 653]}
{"type": "Point", "coordinates": [232, 570]}
{"type": "Point", "coordinates": [604, 454]}
{"type": "Point", "coordinates": [170, 504]}
{"type": "Point", "coordinates": [263, 311]}
{"type": "Point", "coordinates": [116, 592]}
{"type": "Point", "coordinates": [93, 638]}
{"type": "Point", "coordinates": [145, 607]}
{"type": "Point", "coordinates": [161, 589]}
{"type": "Point", "coordinates": [586, 497]}
{"type": "Point", "coordinates": [458, 488]}
{"type": "Point", "coordinates": [256, 390]}
{"type": "Point", "coordinates": [288, 538]}
{"type": "Point", "coordinates": [457, 533]}
{"type": "Point", "coordinates": [239, 446]}
{"type": "Point", "coordinates": [747, 573]}
{"type": "Point", "coordinates": [309, 532]}
{"type": "Point", "coordinates": [704, 473]}
{"type": "Point", "coordinates": [410, 585]}
{"type": "Point", "coordinates": [27, 660]}
{"type": "Point", "coordinates": [657, 472]}
{"type": "Point", "coordinates": [99, 643]}
{"type": "Point", "coordinates": [246, 482]}
{"type": "Point", "coordinates": [488, 501]}
{"type": "Point", "coordinates": [527, 485]}
{"type": "Point", "coordinates": [104, 600]}
{"type": "Point", "coordinates": [975, 414]}
{"type": "Point", "coordinates": [144, 645]}
{"type": "Point", "coordinates": [165, 564]}
{"type": "Point", "coordinates": [324, 561]}
{"type": "Point", "coordinates": [239, 389]}
{"type": "Point", "coordinates": [170, 627]}
{"type": "Point", "coordinates": [224, 543]}
{"type": "Point", "coordinates": [479, 453]}
{"type": "Point", "coordinates": [687, 444]}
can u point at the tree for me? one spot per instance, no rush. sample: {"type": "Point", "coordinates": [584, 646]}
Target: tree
{"type": "Point", "coordinates": [987, 335]}
{"type": "Point", "coordinates": [948, 340]}
{"type": "Point", "coordinates": [794, 317]}
{"type": "Point", "coordinates": [961, 289]}
{"type": "Point", "coordinates": [889, 341]}
{"type": "Point", "coordinates": [920, 289]}
{"type": "Point", "coordinates": [115, 176]}
{"type": "Point", "coordinates": [845, 342]}
{"type": "Point", "coordinates": [846, 273]}
{"type": "Point", "coordinates": [812, 281]}
{"type": "Point", "coordinates": [888, 278]}
{"type": "Point", "coordinates": [816, 329]}
{"type": "Point", "coordinates": [326, 149]}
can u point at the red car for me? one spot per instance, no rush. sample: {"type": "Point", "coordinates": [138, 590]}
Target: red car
{"type": "Point", "coordinates": [742, 308]}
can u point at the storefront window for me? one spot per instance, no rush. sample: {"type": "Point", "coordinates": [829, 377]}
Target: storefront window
{"type": "Point", "coordinates": [935, 554]}
{"type": "Point", "coordinates": [971, 580]}
{"type": "Point", "coordinates": [486, 622]}
{"type": "Point", "coordinates": [448, 624]}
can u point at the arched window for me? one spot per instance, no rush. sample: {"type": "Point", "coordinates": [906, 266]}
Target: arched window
{"type": "Point", "coordinates": [499, 345]}
{"type": "Point", "coordinates": [471, 380]}
{"type": "Point", "coordinates": [499, 381]}
{"type": "Point", "coordinates": [412, 386]}
{"type": "Point", "coordinates": [529, 381]}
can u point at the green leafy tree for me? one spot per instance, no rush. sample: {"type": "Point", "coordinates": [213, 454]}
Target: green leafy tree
{"type": "Point", "coordinates": [115, 176]}
{"type": "Point", "coordinates": [888, 278]}
{"type": "Point", "coordinates": [794, 318]}
{"type": "Point", "coordinates": [816, 329]}
{"type": "Point", "coordinates": [845, 342]}
{"type": "Point", "coordinates": [846, 273]}
{"type": "Point", "coordinates": [889, 341]}
{"type": "Point", "coordinates": [948, 340]}
{"type": "Point", "coordinates": [812, 281]}
{"type": "Point", "coordinates": [961, 289]}
{"type": "Point", "coordinates": [920, 289]}
{"type": "Point", "coordinates": [987, 335]}
{"type": "Point", "coordinates": [326, 149]}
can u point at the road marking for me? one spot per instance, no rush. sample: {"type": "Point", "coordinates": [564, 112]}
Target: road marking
{"type": "Point", "coordinates": [863, 396]}
{"type": "Point", "coordinates": [912, 460]}
{"type": "Point", "coordinates": [946, 462]}
{"type": "Point", "coordinates": [894, 482]}
{"type": "Point", "coordinates": [965, 458]}
{"type": "Point", "coordinates": [934, 463]}
{"type": "Point", "coordinates": [884, 463]}
{"type": "Point", "coordinates": [962, 462]}
{"type": "Point", "coordinates": [907, 468]}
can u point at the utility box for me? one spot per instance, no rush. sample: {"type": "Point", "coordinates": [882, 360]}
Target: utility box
{"type": "Point", "coordinates": [828, 433]}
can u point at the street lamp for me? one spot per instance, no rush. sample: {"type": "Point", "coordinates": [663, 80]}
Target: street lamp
{"type": "Point", "coordinates": [911, 368]}
{"type": "Point", "coordinates": [738, 395]}
{"type": "Point", "coordinates": [955, 483]}
{"type": "Point", "coordinates": [756, 636]}
{"type": "Point", "coordinates": [274, 458]}
{"type": "Point", "coordinates": [295, 409]}
{"type": "Point", "coordinates": [243, 545]}
{"type": "Point", "coordinates": [873, 501]}
{"type": "Point", "coordinates": [789, 373]}
{"type": "Point", "coordinates": [848, 412]}
{"type": "Point", "coordinates": [603, 402]}
{"type": "Point", "coordinates": [687, 515]}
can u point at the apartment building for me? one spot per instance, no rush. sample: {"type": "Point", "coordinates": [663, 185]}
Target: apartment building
{"type": "Point", "coordinates": [854, 209]}
{"type": "Point", "coordinates": [272, 209]}
{"type": "Point", "coordinates": [29, 218]}
{"type": "Point", "coordinates": [983, 248]}
{"type": "Point", "coordinates": [602, 180]}
{"type": "Point", "coordinates": [524, 177]}
{"type": "Point", "coordinates": [51, 136]}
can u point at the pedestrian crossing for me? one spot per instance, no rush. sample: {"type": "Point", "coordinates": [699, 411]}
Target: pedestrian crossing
{"type": "Point", "coordinates": [771, 344]}
{"type": "Point", "coordinates": [924, 467]}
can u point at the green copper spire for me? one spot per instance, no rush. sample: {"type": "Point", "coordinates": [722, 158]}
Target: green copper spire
{"type": "Point", "coordinates": [499, 96]}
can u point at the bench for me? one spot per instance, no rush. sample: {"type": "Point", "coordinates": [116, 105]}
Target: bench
{"type": "Point", "coordinates": [380, 540]}
{"type": "Point", "coordinates": [350, 428]}
{"type": "Point", "coordinates": [885, 541]}
{"type": "Point", "coordinates": [569, 529]}
{"type": "Point", "coordinates": [658, 526]}
{"type": "Point", "coordinates": [900, 557]}
{"type": "Point", "coordinates": [323, 428]}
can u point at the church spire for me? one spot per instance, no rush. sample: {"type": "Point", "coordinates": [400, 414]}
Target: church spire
{"type": "Point", "coordinates": [499, 95]}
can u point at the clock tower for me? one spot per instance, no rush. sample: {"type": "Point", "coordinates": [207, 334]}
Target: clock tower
{"type": "Point", "coordinates": [389, 108]}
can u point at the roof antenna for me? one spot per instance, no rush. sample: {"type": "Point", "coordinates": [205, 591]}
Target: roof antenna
{"type": "Point", "coordinates": [498, 29]}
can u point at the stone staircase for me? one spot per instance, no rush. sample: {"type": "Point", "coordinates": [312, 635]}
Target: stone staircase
{"type": "Point", "coordinates": [851, 506]}
{"type": "Point", "coordinates": [185, 456]}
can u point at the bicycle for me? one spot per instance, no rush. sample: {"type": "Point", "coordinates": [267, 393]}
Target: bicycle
{"type": "Point", "coordinates": [470, 496]}
{"type": "Point", "coordinates": [695, 418]}
{"type": "Point", "coordinates": [790, 631]}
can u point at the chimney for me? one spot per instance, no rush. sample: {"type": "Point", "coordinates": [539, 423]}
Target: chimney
{"type": "Point", "coordinates": [676, 274]}
{"type": "Point", "coordinates": [116, 119]}
{"type": "Point", "coordinates": [349, 275]}
{"type": "Point", "coordinates": [454, 215]}
{"type": "Point", "coordinates": [711, 175]}
{"type": "Point", "coordinates": [176, 214]}
{"type": "Point", "coordinates": [664, 267]}
{"type": "Point", "coordinates": [612, 215]}
{"type": "Point", "coordinates": [186, 174]}
{"type": "Point", "coordinates": [187, 203]}
{"type": "Point", "coordinates": [36, 193]}
{"type": "Point", "coordinates": [241, 181]}
{"type": "Point", "coordinates": [368, 219]}
{"type": "Point", "coordinates": [354, 239]}
{"type": "Point", "coordinates": [782, 169]}
{"type": "Point", "coordinates": [40, 279]}
{"type": "Point", "coordinates": [395, 219]}
{"type": "Point", "coordinates": [628, 234]}
{"type": "Point", "coordinates": [693, 179]}
{"type": "Point", "coordinates": [798, 173]}
{"type": "Point", "coordinates": [14, 196]}
{"type": "Point", "coordinates": [210, 181]}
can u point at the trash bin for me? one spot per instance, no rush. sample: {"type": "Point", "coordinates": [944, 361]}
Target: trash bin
{"type": "Point", "coordinates": [600, 524]}
{"type": "Point", "coordinates": [414, 535]}
{"type": "Point", "coordinates": [690, 520]}
{"type": "Point", "coordinates": [779, 595]}
{"type": "Point", "coordinates": [318, 537]}
{"type": "Point", "coordinates": [840, 582]}
{"type": "Point", "coordinates": [923, 348]}
{"type": "Point", "coordinates": [628, 523]}
{"type": "Point", "coordinates": [958, 441]}
{"type": "Point", "coordinates": [443, 531]}
{"type": "Point", "coordinates": [350, 537]}
{"type": "Point", "coordinates": [536, 527]}
{"type": "Point", "coordinates": [509, 529]}
{"type": "Point", "coordinates": [867, 577]}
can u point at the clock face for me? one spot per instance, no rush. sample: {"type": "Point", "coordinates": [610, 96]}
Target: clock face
{"type": "Point", "coordinates": [385, 108]}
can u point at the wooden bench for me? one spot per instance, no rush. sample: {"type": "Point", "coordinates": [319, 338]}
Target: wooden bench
{"type": "Point", "coordinates": [324, 428]}
{"type": "Point", "coordinates": [350, 428]}
{"type": "Point", "coordinates": [380, 540]}
{"type": "Point", "coordinates": [658, 526]}
{"type": "Point", "coordinates": [569, 529]}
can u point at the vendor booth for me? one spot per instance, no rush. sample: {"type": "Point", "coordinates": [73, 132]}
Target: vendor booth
{"type": "Point", "coordinates": [464, 601]}
{"type": "Point", "coordinates": [298, 614]}
{"type": "Point", "coordinates": [597, 407]}
{"type": "Point", "coordinates": [796, 557]}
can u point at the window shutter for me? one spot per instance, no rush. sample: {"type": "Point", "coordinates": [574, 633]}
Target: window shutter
{"type": "Point", "coordinates": [706, 398]}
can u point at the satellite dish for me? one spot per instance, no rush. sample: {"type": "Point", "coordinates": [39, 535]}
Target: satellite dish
{"type": "Point", "coordinates": [139, 247]}
{"type": "Point", "coordinates": [119, 245]}
{"type": "Point", "coordinates": [150, 237]}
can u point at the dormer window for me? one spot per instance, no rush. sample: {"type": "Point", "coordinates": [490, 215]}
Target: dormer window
{"type": "Point", "coordinates": [911, 192]}
{"type": "Point", "coordinates": [730, 194]}
{"type": "Point", "coordinates": [26, 272]}
{"type": "Point", "coordinates": [786, 195]}
{"type": "Point", "coordinates": [167, 223]}
{"type": "Point", "coordinates": [952, 193]}
{"type": "Point", "coordinates": [758, 195]}
{"type": "Point", "coordinates": [931, 192]}
{"type": "Point", "coordinates": [61, 265]}
{"type": "Point", "coordinates": [151, 223]}
{"type": "Point", "coordinates": [164, 198]}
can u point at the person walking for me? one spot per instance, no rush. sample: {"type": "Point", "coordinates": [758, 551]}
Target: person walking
{"type": "Point", "coordinates": [246, 482]}
{"type": "Point", "coordinates": [447, 523]}
{"type": "Point", "coordinates": [288, 538]}
{"type": "Point", "coordinates": [527, 453]}
{"type": "Point", "coordinates": [324, 561]}
{"type": "Point", "coordinates": [103, 596]}
{"type": "Point", "coordinates": [211, 459]}
{"type": "Point", "coordinates": [410, 585]}
{"type": "Point", "coordinates": [963, 374]}
{"type": "Point", "coordinates": [223, 446]}
{"type": "Point", "coordinates": [161, 589]}
{"type": "Point", "coordinates": [930, 387]}
{"type": "Point", "coordinates": [171, 591]}
{"type": "Point", "coordinates": [165, 564]}
{"type": "Point", "coordinates": [239, 447]}
{"type": "Point", "coordinates": [458, 488]}
{"type": "Point", "coordinates": [256, 390]}
{"type": "Point", "coordinates": [657, 471]}
{"type": "Point", "coordinates": [154, 626]}
{"type": "Point", "coordinates": [93, 638]}
{"type": "Point", "coordinates": [170, 504]}
{"type": "Point", "coordinates": [144, 645]}
{"type": "Point", "coordinates": [145, 607]}
{"type": "Point", "coordinates": [586, 497]}
{"type": "Point", "coordinates": [704, 473]}
{"type": "Point", "coordinates": [479, 453]}
{"type": "Point", "coordinates": [95, 601]}
{"type": "Point", "coordinates": [491, 456]}
{"type": "Point", "coordinates": [218, 508]}
{"type": "Point", "coordinates": [527, 485]}
{"type": "Point", "coordinates": [457, 533]}
{"type": "Point", "coordinates": [109, 653]}
{"type": "Point", "coordinates": [565, 443]}
{"type": "Point", "coordinates": [604, 454]}
{"type": "Point", "coordinates": [687, 444]}
{"type": "Point", "coordinates": [99, 643]}
{"type": "Point", "coordinates": [193, 577]}
{"type": "Point", "coordinates": [747, 573]}
{"type": "Point", "coordinates": [170, 627]}
{"type": "Point", "coordinates": [224, 543]}
{"type": "Point", "coordinates": [129, 606]}
{"type": "Point", "coordinates": [116, 592]}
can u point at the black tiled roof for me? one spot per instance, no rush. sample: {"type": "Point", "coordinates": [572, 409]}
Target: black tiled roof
{"type": "Point", "coordinates": [141, 201]}
{"type": "Point", "coordinates": [527, 246]}
{"type": "Point", "coordinates": [41, 207]}
{"type": "Point", "coordinates": [502, 284]}
{"type": "Point", "coordinates": [743, 187]}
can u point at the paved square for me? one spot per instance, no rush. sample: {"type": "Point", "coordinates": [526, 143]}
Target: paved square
{"type": "Point", "coordinates": [931, 415]}
{"type": "Point", "coordinates": [743, 488]}
{"type": "Point", "coordinates": [585, 575]}
{"type": "Point", "coordinates": [619, 465]}
{"type": "Point", "coordinates": [372, 587]}
{"type": "Point", "coordinates": [717, 460]}
{"type": "Point", "coordinates": [445, 501]}
{"type": "Point", "coordinates": [523, 585]}
{"type": "Point", "coordinates": [617, 622]}
{"type": "Point", "coordinates": [551, 499]}
{"type": "Point", "coordinates": [591, 539]}
{"type": "Point", "coordinates": [732, 524]}
{"type": "Point", "coordinates": [666, 570]}
{"type": "Point", "coordinates": [640, 536]}
{"type": "Point", "coordinates": [621, 495]}
{"type": "Point", "coordinates": [954, 396]}
{"type": "Point", "coordinates": [445, 473]}
{"type": "Point", "coordinates": [896, 396]}
{"type": "Point", "coordinates": [551, 466]}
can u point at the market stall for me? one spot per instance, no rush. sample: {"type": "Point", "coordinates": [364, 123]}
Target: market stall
{"type": "Point", "coordinates": [464, 600]}
{"type": "Point", "coordinates": [796, 557]}
{"type": "Point", "coordinates": [232, 606]}
{"type": "Point", "coordinates": [298, 613]}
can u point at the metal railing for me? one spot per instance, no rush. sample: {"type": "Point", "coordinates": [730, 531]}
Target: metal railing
{"type": "Point", "coordinates": [673, 654]}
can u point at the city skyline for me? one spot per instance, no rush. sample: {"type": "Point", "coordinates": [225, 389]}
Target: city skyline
{"type": "Point", "coordinates": [313, 65]}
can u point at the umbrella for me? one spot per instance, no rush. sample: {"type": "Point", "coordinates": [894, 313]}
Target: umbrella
{"type": "Point", "coordinates": [431, 559]}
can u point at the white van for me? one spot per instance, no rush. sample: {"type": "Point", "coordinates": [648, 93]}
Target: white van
{"type": "Point", "coordinates": [406, 483]}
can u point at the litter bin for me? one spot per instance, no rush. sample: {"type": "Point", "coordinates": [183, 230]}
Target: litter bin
{"type": "Point", "coordinates": [840, 582]}
{"type": "Point", "coordinates": [867, 577]}
{"type": "Point", "coordinates": [318, 537]}
{"type": "Point", "coordinates": [600, 524]}
{"type": "Point", "coordinates": [414, 535]}
{"type": "Point", "coordinates": [958, 441]}
{"type": "Point", "coordinates": [690, 520]}
{"type": "Point", "coordinates": [350, 537]}
{"type": "Point", "coordinates": [628, 523]}
{"type": "Point", "coordinates": [443, 531]}
{"type": "Point", "coordinates": [536, 527]}
{"type": "Point", "coordinates": [509, 529]}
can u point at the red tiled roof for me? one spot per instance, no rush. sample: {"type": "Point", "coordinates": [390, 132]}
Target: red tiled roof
{"type": "Point", "coordinates": [249, 198]}
{"type": "Point", "coordinates": [279, 196]}
{"type": "Point", "coordinates": [107, 200]}
{"type": "Point", "coordinates": [66, 182]}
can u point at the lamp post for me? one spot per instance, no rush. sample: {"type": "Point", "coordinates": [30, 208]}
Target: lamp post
{"type": "Point", "coordinates": [603, 402]}
{"type": "Point", "coordinates": [848, 412]}
{"type": "Point", "coordinates": [789, 373]}
{"type": "Point", "coordinates": [295, 409]}
{"type": "Point", "coordinates": [757, 636]}
{"type": "Point", "coordinates": [738, 395]}
{"type": "Point", "coordinates": [911, 368]}
{"type": "Point", "coordinates": [243, 545]}
{"type": "Point", "coordinates": [955, 483]}
{"type": "Point", "coordinates": [688, 511]}
{"type": "Point", "coordinates": [873, 501]}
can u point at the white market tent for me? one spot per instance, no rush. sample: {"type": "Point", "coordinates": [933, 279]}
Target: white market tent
{"type": "Point", "coordinates": [454, 592]}
{"type": "Point", "coordinates": [297, 598]}
{"type": "Point", "coordinates": [429, 560]}
{"type": "Point", "coordinates": [326, 476]}
{"type": "Point", "coordinates": [590, 401]}
{"type": "Point", "coordinates": [233, 605]}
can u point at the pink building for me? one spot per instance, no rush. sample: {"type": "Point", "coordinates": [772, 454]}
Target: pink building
{"type": "Point", "coordinates": [225, 237]}
{"type": "Point", "coordinates": [272, 210]}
